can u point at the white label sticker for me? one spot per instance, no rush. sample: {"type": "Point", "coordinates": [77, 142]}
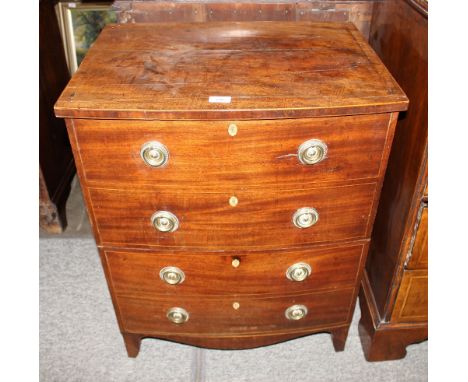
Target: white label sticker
{"type": "Point", "coordinates": [71, 5]}
{"type": "Point", "coordinates": [219, 99]}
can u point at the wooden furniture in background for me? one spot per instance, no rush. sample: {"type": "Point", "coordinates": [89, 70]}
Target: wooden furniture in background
{"type": "Point", "coordinates": [358, 12]}
{"type": "Point", "coordinates": [393, 298]}
{"type": "Point", "coordinates": [56, 166]}
{"type": "Point", "coordinates": [232, 172]}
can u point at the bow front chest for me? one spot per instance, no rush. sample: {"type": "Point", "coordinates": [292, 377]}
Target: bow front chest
{"type": "Point", "coordinates": [231, 172]}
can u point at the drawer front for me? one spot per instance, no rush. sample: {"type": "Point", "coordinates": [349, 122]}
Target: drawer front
{"type": "Point", "coordinates": [412, 298]}
{"type": "Point", "coordinates": [203, 154]}
{"type": "Point", "coordinates": [211, 316]}
{"type": "Point", "coordinates": [141, 274]}
{"type": "Point", "coordinates": [419, 258]}
{"type": "Point", "coordinates": [259, 219]}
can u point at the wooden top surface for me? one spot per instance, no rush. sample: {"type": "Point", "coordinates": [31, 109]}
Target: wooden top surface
{"type": "Point", "coordinates": [269, 69]}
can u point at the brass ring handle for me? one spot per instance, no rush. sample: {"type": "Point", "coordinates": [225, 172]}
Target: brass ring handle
{"type": "Point", "coordinates": [165, 221]}
{"type": "Point", "coordinates": [312, 151]}
{"type": "Point", "coordinates": [177, 315]}
{"type": "Point", "coordinates": [154, 154]}
{"type": "Point", "coordinates": [305, 217]}
{"type": "Point", "coordinates": [172, 275]}
{"type": "Point", "coordinates": [296, 312]}
{"type": "Point", "coordinates": [298, 272]}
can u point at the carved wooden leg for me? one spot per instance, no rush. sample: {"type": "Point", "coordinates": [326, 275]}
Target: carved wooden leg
{"type": "Point", "coordinates": [339, 337]}
{"type": "Point", "coordinates": [132, 343]}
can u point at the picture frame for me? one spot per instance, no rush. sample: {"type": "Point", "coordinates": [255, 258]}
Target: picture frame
{"type": "Point", "coordinates": [80, 24]}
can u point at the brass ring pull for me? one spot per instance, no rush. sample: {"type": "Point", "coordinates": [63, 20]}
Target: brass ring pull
{"type": "Point", "coordinates": [312, 151]}
{"type": "Point", "coordinates": [296, 312]}
{"type": "Point", "coordinates": [172, 275]}
{"type": "Point", "coordinates": [177, 315]}
{"type": "Point", "coordinates": [165, 221]}
{"type": "Point", "coordinates": [154, 154]}
{"type": "Point", "coordinates": [298, 272]}
{"type": "Point", "coordinates": [305, 217]}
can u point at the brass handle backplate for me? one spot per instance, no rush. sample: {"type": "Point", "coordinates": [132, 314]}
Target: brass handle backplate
{"type": "Point", "coordinates": [296, 312]}
{"type": "Point", "coordinates": [305, 217]}
{"type": "Point", "coordinates": [154, 154]}
{"type": "Point", "coordinates": [177, 315]}
{"type": "Point", "coordinates": [172, 275]}
{"type": "Point", "coordinates": [165, 221]}
{"type": "Point", "coordinates": [298, 272]}
{"type": "Point", "coordinates": [312, 151]}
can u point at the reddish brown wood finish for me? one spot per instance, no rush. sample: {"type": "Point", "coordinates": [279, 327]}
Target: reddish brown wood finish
{"type": "Point", "coordinates": [122, 76]}
{"type": "Point", "coordinates": [202, 154]}
{"type": "Point", "coordinates": [403, 186]}
{"type": "Point", "coordinates": [411, 302]}
{"type": "Point", "coordinates": [206, 167]}
{"type": "Point", "coordinates": [136, 11]}
{"type": "Point", "coordinates": [239, 341]}
{"type": "Point", "coordinates": [259, 273]}
{"type": "Point", "coordinates": [132, 344]}
{"type": "Point", "coordinates": [339, 337]}
{"type": "Point", "coordinates": [212, 316]}
{"type": "Point", "coordinates": [260, 220]}
{"type": "Point", "coordinates": [399, 35]}
{"type": "Point", "coordinates": [383, 341]}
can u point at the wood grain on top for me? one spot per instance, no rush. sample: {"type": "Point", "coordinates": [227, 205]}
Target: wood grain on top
{"type": "Point", "coordinates": [269, 69]}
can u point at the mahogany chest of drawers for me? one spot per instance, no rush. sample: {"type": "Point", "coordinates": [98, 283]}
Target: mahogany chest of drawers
{"type": "Point", "coordinates": [231, 172]}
